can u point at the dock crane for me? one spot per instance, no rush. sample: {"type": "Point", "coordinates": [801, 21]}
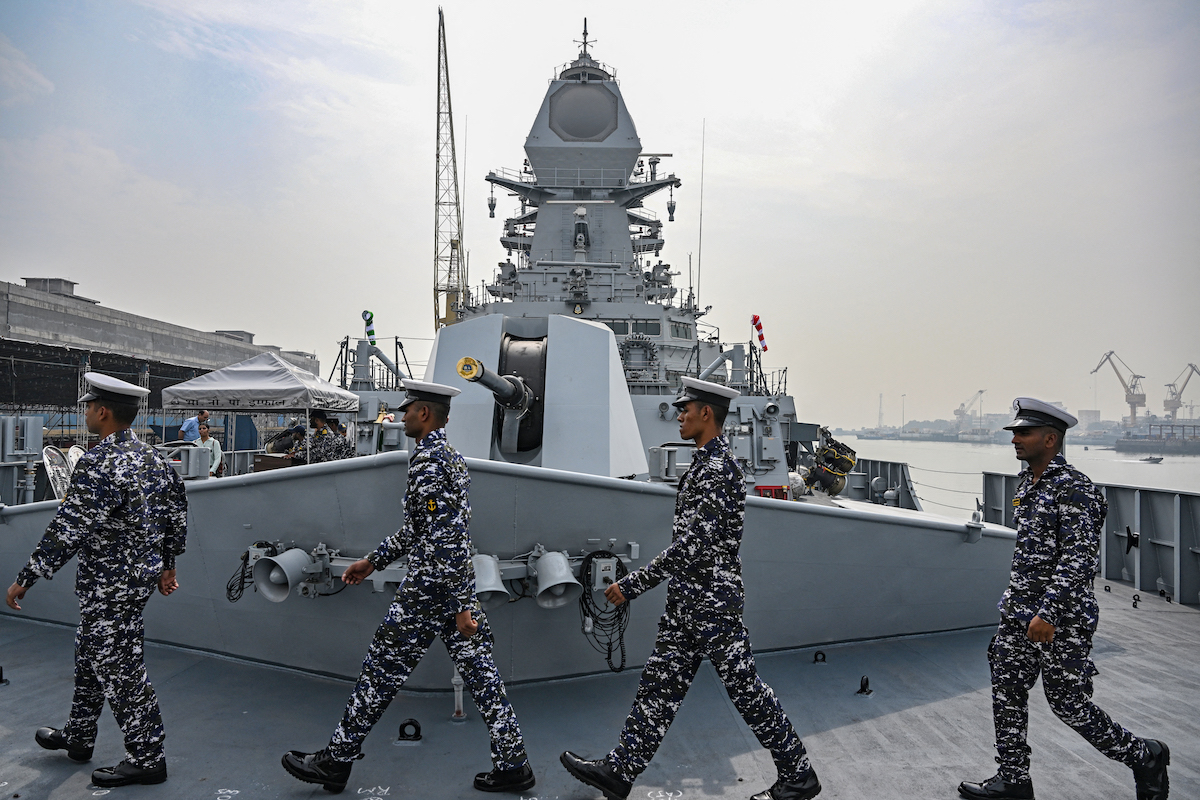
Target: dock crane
{"type": "Point", "coordinates": [1134, 395]}
{"type": "Point", "coordinates": [963, 412]}
{"type": "Point", "coordinates": [1175, 395]}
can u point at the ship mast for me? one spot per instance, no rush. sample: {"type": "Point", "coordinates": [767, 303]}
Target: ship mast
{"type": "Point", "coordinates": [449, 266]}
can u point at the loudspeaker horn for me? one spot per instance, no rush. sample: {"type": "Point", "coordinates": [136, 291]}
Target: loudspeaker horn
{"type": "Point", "coordinates": [489, 585]}
{"type": "Point", "coordinates": [276, 576]}
{"type": "Point", "coordinates": [556, 585]}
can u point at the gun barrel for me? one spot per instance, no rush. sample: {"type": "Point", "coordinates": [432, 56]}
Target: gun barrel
{"type": "Point", "coordinates": [509, 393]}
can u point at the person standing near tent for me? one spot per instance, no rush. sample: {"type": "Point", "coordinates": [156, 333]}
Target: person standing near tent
{"type": "Point", "coordinates": [215, 464]}
{"type": "Point", "coordinates": [285, 440]}
{"type": "Point", "coordinates": [189, 431]}
{"type": "Point", "coordinates": [323, 444]}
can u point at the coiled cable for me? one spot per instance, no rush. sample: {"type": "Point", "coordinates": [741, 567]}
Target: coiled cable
{"type": "Point", "coordinates": [608, 623]}
{"type": "Point", "coordinates": [242, 576]}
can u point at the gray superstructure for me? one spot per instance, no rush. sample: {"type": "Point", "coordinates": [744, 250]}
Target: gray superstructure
{"type": "Point", "coordinates": [583, 245]}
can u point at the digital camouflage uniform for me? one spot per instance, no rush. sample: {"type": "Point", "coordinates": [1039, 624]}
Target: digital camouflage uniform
{"type": "Point", "coordinates": [125, 515]}
{"type": "Point", "coordinates": [703, 617]}
{"type": "Point", "coordinates": [1059, 522]}
{"type": "Point", "coordinates": [440, 583]}
{"type": "Point", "coordinates": [321, 445]}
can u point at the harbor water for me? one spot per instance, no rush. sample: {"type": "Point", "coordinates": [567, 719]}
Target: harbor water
{"type": "Point", "coordinates": [947, 475]}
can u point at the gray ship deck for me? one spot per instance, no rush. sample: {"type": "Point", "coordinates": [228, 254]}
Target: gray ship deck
{"type": "Point", "coordinates": [926, 726]}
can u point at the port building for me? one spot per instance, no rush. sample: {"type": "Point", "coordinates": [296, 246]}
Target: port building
{"type": "Point", "coordinates": [50, 336]}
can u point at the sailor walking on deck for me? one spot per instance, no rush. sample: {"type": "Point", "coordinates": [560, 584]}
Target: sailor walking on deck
{"type": "Point", "coordinates": [703, 617]}
{"type": "Point", "coordinates": [437, 598]}
{"type": "Point", "coordinates": [1049, 614]}
{"type": "Point", "coordinates": [125, 515]}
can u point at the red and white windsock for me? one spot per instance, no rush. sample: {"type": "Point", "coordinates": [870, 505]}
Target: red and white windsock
{"type": "Point", "coordinates": [756, 321]}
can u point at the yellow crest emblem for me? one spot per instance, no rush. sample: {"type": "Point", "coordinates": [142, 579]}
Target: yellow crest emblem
{"type": "Point", "coordinates": [432, 505]}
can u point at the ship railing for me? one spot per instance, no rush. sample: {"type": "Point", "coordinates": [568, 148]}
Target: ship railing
{"type": "Point", "coordinates": [1167, 431]}
{"type": "Point", "coordinates": [240, 462]}
{"type": "Point", "coordinates": [649, 215]}
{"type": "Point", "coordinates": [1151, 537]}
{"type": "Point", "coordinates": [774, 382]}
{"type": "Point", "coordinates": [895, 477]}
{"type": "Point", "coordinates": [567, 178]}
{"type": "Point", "coordinates": [600, 65]}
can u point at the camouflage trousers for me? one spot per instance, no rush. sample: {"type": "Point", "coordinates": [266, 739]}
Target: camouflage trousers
{"type": "Point", "coordinates": [1066, 668]}
{"type": "Point", "coordinates": [110, 665]}
{"type": "Point", "coordinates": [667, 676]}
{"type": "Point", "coordinates": [400, 642]}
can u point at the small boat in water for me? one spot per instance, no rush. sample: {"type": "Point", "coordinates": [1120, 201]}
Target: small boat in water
{"type": "Point", "coordinates": [1152, 459]}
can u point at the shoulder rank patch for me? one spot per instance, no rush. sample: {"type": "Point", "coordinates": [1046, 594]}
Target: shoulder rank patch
{"type": "Point", "coordinates": [1016, 502]}
{"type": "Point", "coordinates": [432, 505]}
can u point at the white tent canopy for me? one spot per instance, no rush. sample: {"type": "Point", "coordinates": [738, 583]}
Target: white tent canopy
{"type": "Point", "coordinates": [264, 383]}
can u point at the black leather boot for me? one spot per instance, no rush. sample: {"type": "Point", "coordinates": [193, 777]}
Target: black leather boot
{"type": "Point", "coordinates": [124, 774]}
{"type": "Point", "coordinates": [597, 774]}
{"type": "Point", "coordinates": [792, 790]}
{"type": "Point", "coordinates": [53, 739]}
{"type": "Point", "coordinates": [997, 788]}
{"type": "Point", "coordinates": [506, 780]}
{"type": "Point", "coordinates": [318, 768]}
{"type": "Point", "coordinates": [1151, 778]}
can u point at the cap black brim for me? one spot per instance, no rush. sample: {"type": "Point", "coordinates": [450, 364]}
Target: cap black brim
{"type": "Point", "coordinates": [1018, 424]}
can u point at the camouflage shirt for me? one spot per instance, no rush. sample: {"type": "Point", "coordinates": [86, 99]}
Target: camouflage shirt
{"type": "Point", "coordinates": [436, 534]}
{"type": "Point", "coordinates": [321, 445]}
{"type": "Point", "coordinates": [702, 560]}
{"type": "Point", "coordinates": [125, 515]}
{"type": "Point", "coordinates": [1059, 522]}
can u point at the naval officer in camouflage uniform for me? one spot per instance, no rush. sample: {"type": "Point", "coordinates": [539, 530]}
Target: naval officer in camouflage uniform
{"type": "Point", "coordinates": [1049, 613]}
{"type": "Point", "coordinates": [323, 444]}
{"type": "Point", "coordinates": [125, 515]}
{"type": "Point", "coordinates": [703, 616]}
{"type": "Point", "coordinates": [437, 598]}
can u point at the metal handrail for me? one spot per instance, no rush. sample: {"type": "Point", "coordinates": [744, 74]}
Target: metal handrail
{"type": "Point", "coordinates": [1151, 537]}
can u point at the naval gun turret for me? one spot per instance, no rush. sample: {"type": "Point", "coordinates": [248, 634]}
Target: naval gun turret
{"type": "Point", "coordinates": [515, 399]}
{"type": "Point", "coordinates": [543, 391]}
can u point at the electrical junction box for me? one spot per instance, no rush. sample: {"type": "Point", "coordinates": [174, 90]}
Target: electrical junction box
{"type": "Point", "coordinates": [740, 447]}
{"type": "Point", "coordinates": [256, 553]}
{"type": "Point", "coordinates": [604, 572]}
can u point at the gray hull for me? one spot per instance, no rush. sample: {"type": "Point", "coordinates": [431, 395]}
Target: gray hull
{"type": "Point", "coordinates": [814, 573]}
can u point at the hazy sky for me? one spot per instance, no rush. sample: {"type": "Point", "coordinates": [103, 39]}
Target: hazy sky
{"type": "Point", "coordinates": [919, 198]}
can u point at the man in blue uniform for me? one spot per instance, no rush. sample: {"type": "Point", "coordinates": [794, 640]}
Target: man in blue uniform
{"type": "Point", "coordinates": [436, 598]}
{"type": "Point", "coordinates": [1049, 614]}
{"type": "Point", "coordinates": [703, 616]}
{"type": "Point", "coordinates": [125, 515]}
{"type": "Point", "coordinates": [189, 431]}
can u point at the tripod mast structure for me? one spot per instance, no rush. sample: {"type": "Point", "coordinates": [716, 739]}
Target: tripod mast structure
{"type": "Point", "coordinates": [449, 264]}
